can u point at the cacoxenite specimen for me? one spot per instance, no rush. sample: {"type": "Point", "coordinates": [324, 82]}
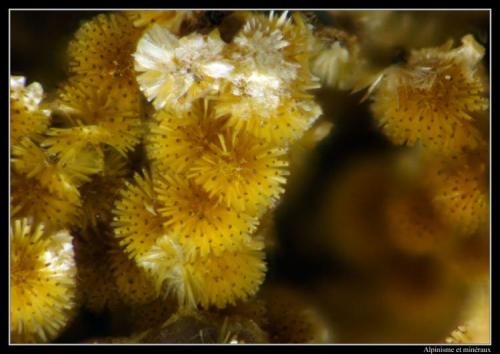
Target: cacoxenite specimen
{"type": "Point", "coordinates": [144, 187]}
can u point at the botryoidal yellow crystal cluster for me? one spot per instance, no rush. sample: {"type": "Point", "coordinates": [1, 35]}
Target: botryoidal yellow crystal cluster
{"type": "Point", "coordinates": [216, 140]}
{"type": "Point", "coordinates": [42, 283]}
{"type": "Point", "coordinates": [432, 99]}
{"type": "Point", "coordinates": [225, 114]}
{"type": "Point", "coordinates": [45, 202]}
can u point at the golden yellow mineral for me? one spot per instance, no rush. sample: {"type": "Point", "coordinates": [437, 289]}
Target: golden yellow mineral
{"type": "Point", "coordinates": [62, 179]}
{"type": "Point", "coordinates": [96, 115]}
{"type": "Point", "coordinates": [241, 171]}
{"type": "Point", "coordinates": [173, 72]}
{"type": "Point", "coordinates": [176, 140]}
{"type": "Point", "coordinates": [266, 93]}
{"type": "Point", "coordinates": [102, 48]}
{"type": "Point", "coordinates": [215, 280]}
{"type": "Point", "coordinates": [238, 170]}
{"type": "Point", "coordinates": [46, 188]}
{"type": "Point", "coordinates": [432, 98]}
{"type": "Point", "coordinates": [284, 121]}
{"type": "Point", "coordinates": [29, 198]}
{"type": "Point", "coordinates": [197, 221]}
{"type": "Point", "coordinates": [137, 221]}
{"type": "Point", "coordinates": [42, 282]}
{"type": "Point", "coordinates": [28, 118]}
{"type": "Point", "coordinates": [175, 149]}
